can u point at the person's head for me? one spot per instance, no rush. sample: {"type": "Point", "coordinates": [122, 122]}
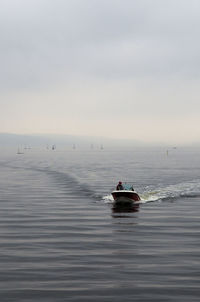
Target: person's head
{"type": "Point", "coordinates": [120, 183]}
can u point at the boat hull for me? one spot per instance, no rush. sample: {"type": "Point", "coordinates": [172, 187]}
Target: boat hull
{"type": "Point", "coordinates": [124, 196]}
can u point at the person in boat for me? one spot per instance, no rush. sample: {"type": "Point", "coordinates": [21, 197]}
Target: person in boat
{"type": "Point", "coordinates": [119, 186]}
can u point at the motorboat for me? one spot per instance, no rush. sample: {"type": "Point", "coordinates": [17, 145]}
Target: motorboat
{"type": "Point", "coordinates": [125, 196]}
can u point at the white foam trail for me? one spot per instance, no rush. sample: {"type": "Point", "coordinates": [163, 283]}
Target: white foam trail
{"type": "Point", "coordinates": [185, 189]}
{"type": "Point", "coordinates": [108, 199]}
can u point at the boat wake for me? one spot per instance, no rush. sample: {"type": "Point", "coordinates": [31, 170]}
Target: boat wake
{"type": "Point", "coordinates": [181, 190]}
{"type": "Point", "coordinates": [189, 189]}
{"type": "Point", "coordinates": [65, 180]}
{"type": "Point", "coordinates": [70, 183]}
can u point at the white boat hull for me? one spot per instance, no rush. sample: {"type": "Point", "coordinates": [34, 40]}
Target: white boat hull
{"type": "Point", "coordinates": [125, 196]}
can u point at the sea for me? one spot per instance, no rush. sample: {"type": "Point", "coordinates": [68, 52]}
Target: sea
{"type": "Point", "coordinates": [63, 239]}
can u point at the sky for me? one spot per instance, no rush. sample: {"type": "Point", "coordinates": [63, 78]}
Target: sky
{"type": "Point", "coordinates": [113, 68]}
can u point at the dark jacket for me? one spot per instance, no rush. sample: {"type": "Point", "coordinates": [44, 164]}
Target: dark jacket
{"type": "Point", "coordinates": [119, 187]}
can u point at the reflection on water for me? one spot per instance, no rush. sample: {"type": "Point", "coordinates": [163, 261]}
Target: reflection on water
{"type": "Point", "coordinates": [127, 208]}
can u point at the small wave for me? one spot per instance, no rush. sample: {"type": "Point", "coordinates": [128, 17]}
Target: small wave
{"type": "Point", "coordinates": [69, 182]}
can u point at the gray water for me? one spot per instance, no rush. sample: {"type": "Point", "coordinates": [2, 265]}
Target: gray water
{"type": "Point", "coordinates": [62, 238]}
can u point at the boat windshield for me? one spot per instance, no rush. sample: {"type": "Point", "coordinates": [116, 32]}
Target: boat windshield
{"type": "Point", "coordinates": [128, 187]}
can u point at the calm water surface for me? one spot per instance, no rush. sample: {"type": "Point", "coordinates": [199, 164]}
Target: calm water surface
{"type": "Point", "coordinates": [62, 239]}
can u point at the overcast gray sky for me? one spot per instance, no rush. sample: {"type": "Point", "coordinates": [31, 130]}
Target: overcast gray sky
{"type": "Point", "coordinates": [114, 68]}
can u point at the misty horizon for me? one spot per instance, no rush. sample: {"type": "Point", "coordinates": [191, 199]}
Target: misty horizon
{"type": "Point", "coordinates": [28, 139]}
